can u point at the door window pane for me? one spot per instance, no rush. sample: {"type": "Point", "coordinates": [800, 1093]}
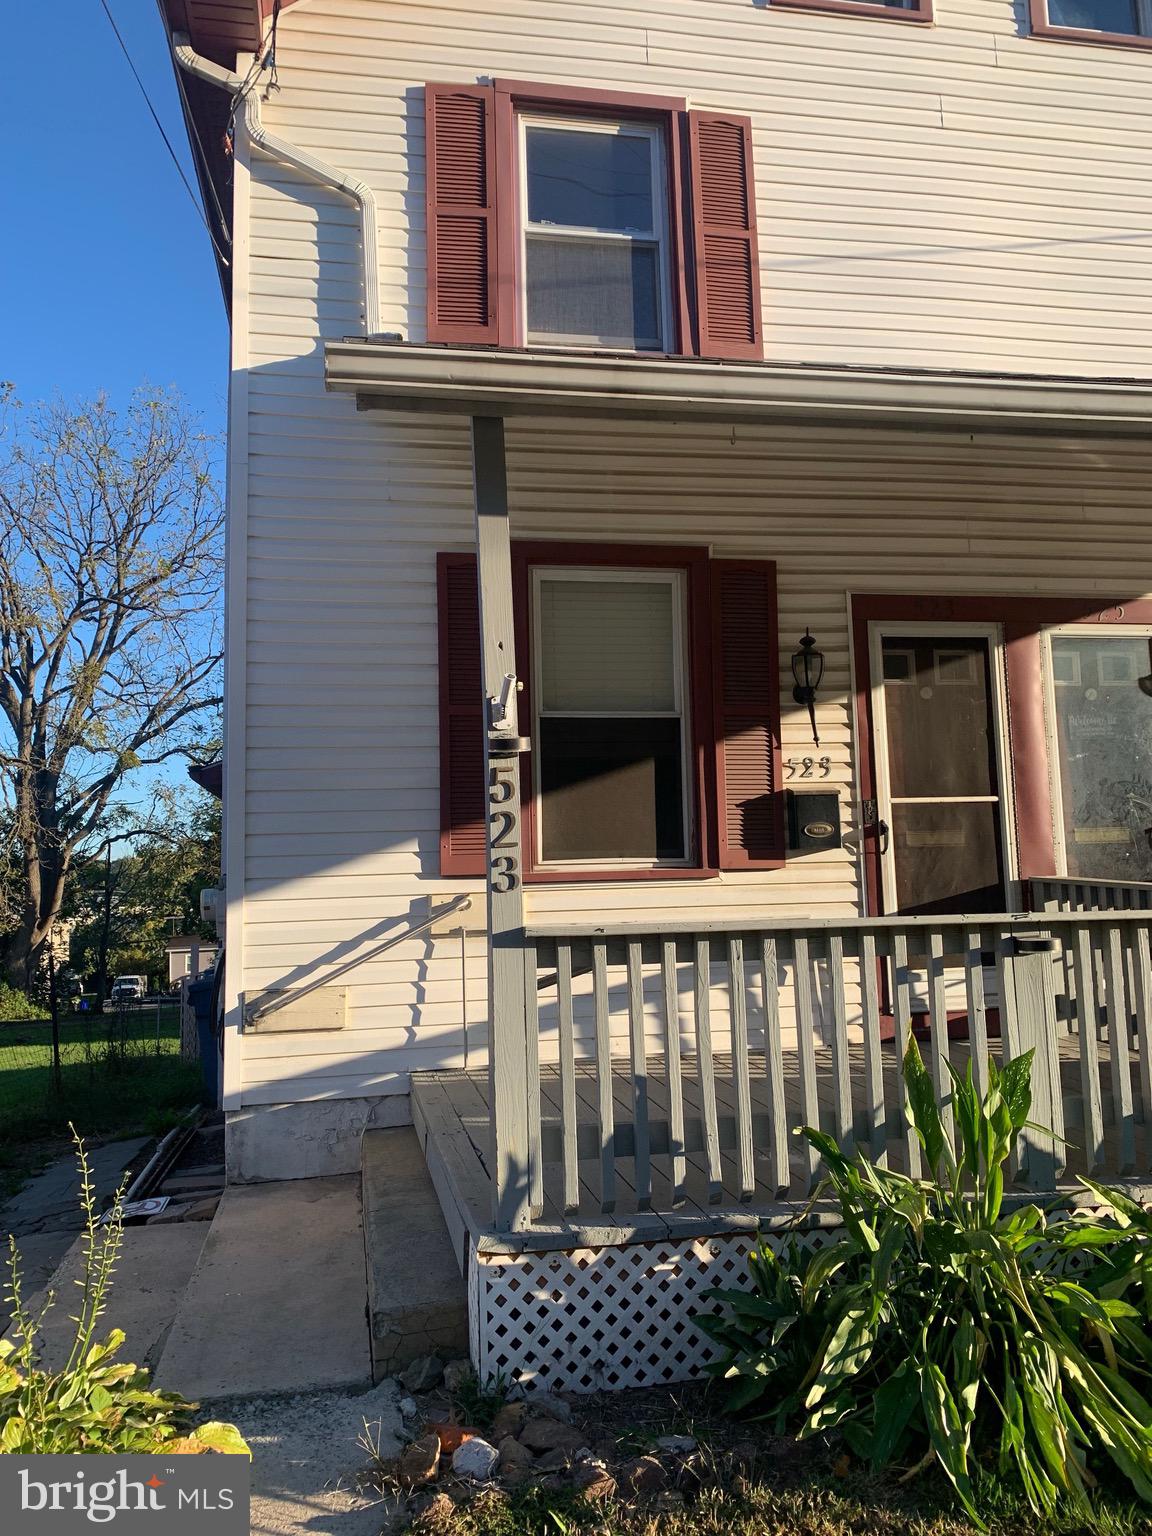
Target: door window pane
{"type": "Point", "coordinates": [939, 721]}
{"type": "Point", "coordinates": [947, 857]}
{"type": "Point", "coordinates": [606, 292]}
{"type": "Point", "coordinates": [1104, 751]}
{"type": "Point", "coordinates": [1095, 15]}
{"type": "Point", "coordinates": [593, 179]}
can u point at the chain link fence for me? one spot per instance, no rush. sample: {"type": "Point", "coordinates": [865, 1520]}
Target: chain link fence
{"type": "Point", "coordinates": [119, 1070]}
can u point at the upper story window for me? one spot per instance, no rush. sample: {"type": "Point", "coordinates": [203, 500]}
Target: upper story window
{"type": "Point", "coordinates": [568, 216]}
{"type": "Point", "coordinates": [594, 230]}
{"type": "Point", "coordinates": [1127, 23]}
{"type": "Point", "coordinates": [889, 10]}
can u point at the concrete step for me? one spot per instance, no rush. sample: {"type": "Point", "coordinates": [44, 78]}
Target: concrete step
{"type": "Point", "coordinates": [417, 1298]}
{"type": "Point", "coordinates": [276, 1303]}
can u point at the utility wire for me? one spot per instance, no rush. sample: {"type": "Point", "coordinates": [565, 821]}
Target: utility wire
{"type": "Point", "coordinates": [160, 127]}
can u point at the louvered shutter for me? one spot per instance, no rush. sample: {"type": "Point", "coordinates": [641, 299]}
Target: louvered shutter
{"type": "Point", "coordinates": [463, 290]}
{"type": "Point", "coordinates": [462, 809]}
{"type": "Point", "coordinates": [746, 714]}
{"type": "Point", "coordinates": [724, 236]}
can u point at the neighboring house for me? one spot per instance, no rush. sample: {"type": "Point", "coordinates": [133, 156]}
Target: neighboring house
{"type": "Point", "coordinates": [188, 955]}
{"type": "Point", "coordinates": [784, 372]}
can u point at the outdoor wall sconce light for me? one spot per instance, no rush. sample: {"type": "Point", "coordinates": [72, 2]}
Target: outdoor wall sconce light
{"type": "Point", "coordinates": [808, 669]}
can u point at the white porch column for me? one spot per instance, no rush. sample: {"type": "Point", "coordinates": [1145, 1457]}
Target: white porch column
{"type": "Point", "coordinates": [507, 1011]}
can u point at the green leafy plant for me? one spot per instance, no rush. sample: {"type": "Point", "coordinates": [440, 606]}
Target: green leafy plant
{"type": "Point", "coordinates": [95, 1403]}
{"type": "Point", "coordinates": [478, 1402]}
{"type": "Point", "coordinates": [943, 1327]}
{"type": "Point", "coordinates": [17, 1006]}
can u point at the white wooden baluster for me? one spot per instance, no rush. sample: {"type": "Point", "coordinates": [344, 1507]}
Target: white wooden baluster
{"type": "Point", "coordinates": [806, 1043]}
{"type": "Point", "coordinates": [1032, 978]}
{"type": "Point", "coordinates": [604, 1109]}
{"type": "Point", "coordinates": [1119, 1051]}
{"type": "Point", "coordinates": [876, 1115]}
{"type": "Point", "coordinates": [774, 1065]}
{"type": "Point", "coordinates": [707, 1068]}
{"type": "Point", "coordinates": [740, 1067]}
{"type": "Point", "coordinates": [841, 1062]}
{"type": "Point", "coordinates": [1143, 1006]}
{"type": "Point", "coordinates": [938, 1031]}
{"type": "Point", "coordinates": [1084, 967]}
{"type": "Point", "coordinates": [977, 1016]}
{"type": "Point", "coordinates": [567, 1042]}
{"type": "Point", "coordinates": [902, 1007]}
{"type": "Point", "coordinates": [639, 1078]}
{"type": "Point", "coordinates": [678, 1163]}
{"type": "Point", "coordinates": [532, 1054]}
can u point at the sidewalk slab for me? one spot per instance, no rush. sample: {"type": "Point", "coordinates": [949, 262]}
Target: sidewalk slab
{"type": "Point", "coordinates": [151, 1274]}
{"type": "Point", "coordinates": [277, 1302]}
{"type": "Point", "coordinates": [51, 1201]}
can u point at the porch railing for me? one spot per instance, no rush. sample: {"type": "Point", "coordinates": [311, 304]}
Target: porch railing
{"type": "Point", "coordinates": [1058, 893]}
{"type": "Point", "coordinates": [672, 1070]}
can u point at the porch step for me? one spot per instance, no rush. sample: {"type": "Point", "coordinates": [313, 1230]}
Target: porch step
{"type": "Point", "coordinates": [417, 1298]}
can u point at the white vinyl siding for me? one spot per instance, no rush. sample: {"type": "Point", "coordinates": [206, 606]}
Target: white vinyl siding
{"type": "Point", "coordinates": [957, 196]}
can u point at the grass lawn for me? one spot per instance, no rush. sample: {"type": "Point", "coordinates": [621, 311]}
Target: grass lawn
{"type": "Point", "coordinates": [140, 1088]}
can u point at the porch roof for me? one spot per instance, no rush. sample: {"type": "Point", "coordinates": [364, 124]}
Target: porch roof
{"type": "Point", "coordinates": [480, 381]}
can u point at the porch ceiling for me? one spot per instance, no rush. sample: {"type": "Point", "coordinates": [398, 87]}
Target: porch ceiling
{"type": "Point", "coordinates": [479, 381]}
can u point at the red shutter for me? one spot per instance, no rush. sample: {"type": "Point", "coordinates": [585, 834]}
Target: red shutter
{"type": "Point", "coordinates": [724, 236]}
{"type": "Point", "coordinates": [462, 810]}
{"type": "Point", "coordinates": [746, 714]}
{"type": "Point", "coordinates": [459, 122]}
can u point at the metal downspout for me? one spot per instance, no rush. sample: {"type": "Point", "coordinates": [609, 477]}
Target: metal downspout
{"type": "Point", "coordinates": [277, 148]}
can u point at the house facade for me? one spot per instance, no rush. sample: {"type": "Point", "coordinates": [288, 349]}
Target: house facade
{"type": "Point", "coordinates": [746, 407]}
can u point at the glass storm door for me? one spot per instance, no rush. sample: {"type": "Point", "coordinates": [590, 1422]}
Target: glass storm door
{"type": "Point", "coordinates": [939, 814]}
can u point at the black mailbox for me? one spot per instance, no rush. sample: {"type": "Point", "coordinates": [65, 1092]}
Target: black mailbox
{"type": "Point", "coordinates": [813, 819]}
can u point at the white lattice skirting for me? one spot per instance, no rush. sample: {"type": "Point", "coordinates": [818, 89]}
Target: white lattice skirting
{"type": "Point", "coordinates": [601, 1319]}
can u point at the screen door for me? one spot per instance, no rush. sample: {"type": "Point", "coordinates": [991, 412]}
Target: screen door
{"type": "Point", "coordinates": [940, 811]}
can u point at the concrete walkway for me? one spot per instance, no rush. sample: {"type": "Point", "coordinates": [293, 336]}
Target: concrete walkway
{"type": "Point", "coordinates": [45, 1216]}
{"type": "Point", "coordinates": [277, 1302]}
{"type": "Point", "coordinates": [154, 1267]}
{"type": "Point", "coordinates": [307, 1465]}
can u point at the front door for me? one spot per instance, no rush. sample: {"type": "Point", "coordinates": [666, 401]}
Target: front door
{"type": "Point", "coordinates": [938, 828]}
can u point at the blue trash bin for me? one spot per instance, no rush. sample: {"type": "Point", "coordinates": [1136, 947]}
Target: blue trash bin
{"type": "Point", "coordinates": [201, 992]}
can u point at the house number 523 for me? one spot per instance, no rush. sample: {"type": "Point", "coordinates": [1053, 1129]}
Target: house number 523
{"type": "Point", "coordinates": [504, 828]}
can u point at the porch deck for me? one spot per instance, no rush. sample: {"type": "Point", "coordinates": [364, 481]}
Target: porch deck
{"type": "Point", "coordinates": [453, 1111]}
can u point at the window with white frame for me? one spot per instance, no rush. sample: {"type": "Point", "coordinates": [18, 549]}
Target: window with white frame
{"type": "Point", "coordinates": [594, 231]}
{"type": "Point", "coordinates": [1100, 725]}
{"type": "Point", "coordinates": [1113, 18]}
{"type": "Point", "coordinates": [610, 758]}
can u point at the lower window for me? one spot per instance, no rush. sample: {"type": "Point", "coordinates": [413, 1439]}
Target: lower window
{"type": "Point", "coordinates": [611, 724]}
{"type": "Point", "coordinates": [1101, 701]}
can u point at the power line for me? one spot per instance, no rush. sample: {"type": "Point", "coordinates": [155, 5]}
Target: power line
{"type": "Point", "coordinates": [160, 128]}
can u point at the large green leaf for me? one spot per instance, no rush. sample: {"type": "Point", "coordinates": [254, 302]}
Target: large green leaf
{"type": "Point", "coordinates": [1016, 1088]}
{"type": "Point", "coordinates": [923, 1106]}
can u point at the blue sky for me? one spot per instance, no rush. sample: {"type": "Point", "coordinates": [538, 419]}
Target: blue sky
{"type": "Point", "coordinates": [106, 272]}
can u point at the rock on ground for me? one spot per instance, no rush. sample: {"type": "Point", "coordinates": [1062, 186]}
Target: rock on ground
{"type": "Point", "coordinates": [306, 1460]}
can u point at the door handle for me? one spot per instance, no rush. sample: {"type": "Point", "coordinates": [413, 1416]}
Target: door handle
{"type": "Point", "coordinates": [882, 837]}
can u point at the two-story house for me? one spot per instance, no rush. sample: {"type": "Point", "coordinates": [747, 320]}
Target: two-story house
{"type": "Point", "coordinates": [689, 608]}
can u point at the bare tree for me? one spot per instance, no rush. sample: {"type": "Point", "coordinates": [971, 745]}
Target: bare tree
{"type": "Point", "coordinates": [111, 567]}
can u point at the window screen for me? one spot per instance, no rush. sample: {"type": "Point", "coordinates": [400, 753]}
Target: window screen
{"type": "Point", "coordinates": [610, 760]}
{"type": "Point", "coordinates": [594, 234]}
